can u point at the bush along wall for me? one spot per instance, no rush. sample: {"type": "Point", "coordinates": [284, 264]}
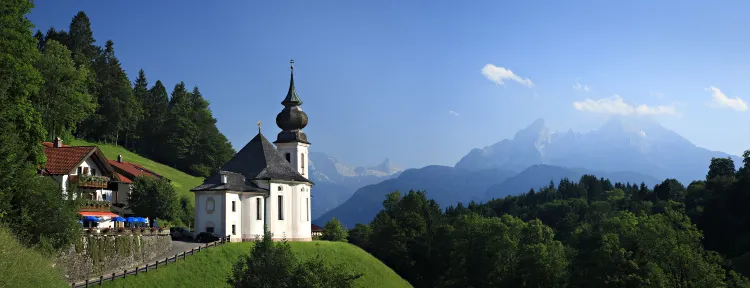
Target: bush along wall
{"type": "Point", "coordinates": [97, 255]}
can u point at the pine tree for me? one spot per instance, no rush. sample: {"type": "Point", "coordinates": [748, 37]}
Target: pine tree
{"type": "Point", "coordinates": [155, 107]}
{"type": "Point", "coordinates": [81, 40]}
{"type": "Point", "coordinates": [140, 93]}
{"type": "Point", "coordinates": [118, 110]}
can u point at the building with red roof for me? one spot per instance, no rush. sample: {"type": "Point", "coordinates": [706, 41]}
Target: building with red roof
{"type": "Point", "coordinates": [316, 230]}
{"type": "Point", "coordinates": [130, 171]}
{"type": "Point", "coordinates": [85, 169]}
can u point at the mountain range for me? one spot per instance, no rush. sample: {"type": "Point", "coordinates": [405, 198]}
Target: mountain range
{"type": "Point", "coordinates": [624, 149]}
{"type": "Point", "coordinates": [335, 181]}
{"type": "Point", "coordinates": [622, 144]}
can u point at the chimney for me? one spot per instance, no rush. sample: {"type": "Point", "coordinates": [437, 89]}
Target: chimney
{"type": "Point", "coordinates": [119, 158]}
{"type": "Point", "coordinates": [57, 143]}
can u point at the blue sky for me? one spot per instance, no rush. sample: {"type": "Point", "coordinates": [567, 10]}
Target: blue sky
{"type": "Point", "coordinates": [424, 84]}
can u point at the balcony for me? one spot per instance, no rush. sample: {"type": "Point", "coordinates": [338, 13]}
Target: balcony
{"type": "Point", "coordinates": [88, 181]}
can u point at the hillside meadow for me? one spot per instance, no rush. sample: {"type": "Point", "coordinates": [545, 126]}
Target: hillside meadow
{"type": "Point", "coordinates": [210, 268]}
{"type": "Point", "coordinates": [180, 180]}
{"type": "Point", "coordinates": [25, 267]}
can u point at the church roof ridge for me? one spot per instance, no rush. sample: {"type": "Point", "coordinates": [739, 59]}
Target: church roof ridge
{"type": "Point", "coordinates": [258, 160]}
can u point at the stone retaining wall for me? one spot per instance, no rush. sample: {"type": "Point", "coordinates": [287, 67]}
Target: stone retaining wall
{"type": "Point", "coordinates": [98, 255]}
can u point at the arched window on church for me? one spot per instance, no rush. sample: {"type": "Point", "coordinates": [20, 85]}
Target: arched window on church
{"type": "Point", "coordinates": [288, 157]}
{"type": "Point", "coordinates": [302, 162]}
{"type": "Point", "coordinates": [281, 207]}
{"type": "Point", "coordinates": [258, 209]}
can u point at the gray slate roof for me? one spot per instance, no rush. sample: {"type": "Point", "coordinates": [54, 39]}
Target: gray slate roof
{"type": "Point", "coordinates": [258, 160]}
{"type": "Point", "coordinates": [235, 182]}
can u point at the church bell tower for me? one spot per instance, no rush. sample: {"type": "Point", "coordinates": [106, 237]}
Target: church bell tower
{"type": "Point", "coordinates": [291, 141]}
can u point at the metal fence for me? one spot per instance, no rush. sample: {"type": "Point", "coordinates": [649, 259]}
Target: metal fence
{"type": "Point", "coordinates": [145, 268]}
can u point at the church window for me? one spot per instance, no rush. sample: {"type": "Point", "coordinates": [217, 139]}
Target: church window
{"type": "Point", "coordinates": [289, 157]}
{"type": "Point", "coordinates": [281, 207]}
{"type": "Point", "coordinates": [302, 162]}
{"type": "Point", "coordinates": [234, 232]}
{"type": "Point", "coordinates": [233, 206]}
{"type": "Point", "coordinates": [307, 206]}
{"type": "Point", "coordinates": [280, 188]}
{"type": "Point", "coordinates": [258, 208]}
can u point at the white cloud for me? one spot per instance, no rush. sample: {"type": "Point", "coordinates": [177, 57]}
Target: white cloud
{"type": "Point", "coordinates": [578, 86]}
{"type": "Point", "coordinates": [454, 113]}
{"type": "Point", "coordinates": [615, 105]}
{"type": "Point", "coordinates": [500, 74]}
{"type": "Point", "coordinates": [719, 100]}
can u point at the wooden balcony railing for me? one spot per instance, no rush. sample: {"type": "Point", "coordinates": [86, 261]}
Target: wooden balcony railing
{"type": "Point", "coordinates": [86, 181]}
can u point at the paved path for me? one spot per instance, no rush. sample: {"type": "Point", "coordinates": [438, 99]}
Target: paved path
{"type": "Point", "coordinates": [177, 248]}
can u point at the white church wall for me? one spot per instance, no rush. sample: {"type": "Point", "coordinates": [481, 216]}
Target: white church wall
{"type": "Point", "coordinates": [233, 217]}
{"type": "Point", "coordinates": [302, 224]}
{"type": "Point", "coordinates": [298, 155]}
{"type": "Point", "coordinates": [279, 226]}
{"type": "Point", "coordinates": [208, 212]}
{"type": "Point", "coordinates": [252, 222]}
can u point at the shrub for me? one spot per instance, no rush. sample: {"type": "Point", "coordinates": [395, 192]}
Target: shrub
{"type": "Point", "coordinates": [334, 231]}
{"type": "Point", "coordinates": [120, 229]}
{"type": "Point", "coordinates": [107, 230]}
{"type": "Point", "coordinates": [272, 264]}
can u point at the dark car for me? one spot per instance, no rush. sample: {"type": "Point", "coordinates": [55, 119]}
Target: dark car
{"type": "Point", "coordinates": [180, 233]}
{"type": "Point", "coordinates": [206, 237]}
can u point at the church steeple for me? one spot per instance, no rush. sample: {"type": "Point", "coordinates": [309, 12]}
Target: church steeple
{"type": "Point", "coordinates": [291, 119]}
{"type": "Point", "coordinates": [292, 99]}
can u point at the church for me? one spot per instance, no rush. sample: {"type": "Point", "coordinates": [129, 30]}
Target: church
{"type": "Point", "coordinates": [262, 185]}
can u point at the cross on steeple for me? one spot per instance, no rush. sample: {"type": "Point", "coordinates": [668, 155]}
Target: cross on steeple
{"type": "Point", "coordinates": [291, 65]}
{"type": "Point", "coordinates": [259, 126]}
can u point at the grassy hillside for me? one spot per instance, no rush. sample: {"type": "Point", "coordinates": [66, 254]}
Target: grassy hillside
{"type": "Point", "coordinates": [181, 181]}
{"type": "Point", "coordinates": [211, 268]}
{"type": "Point", "coordinates": [24, 267]}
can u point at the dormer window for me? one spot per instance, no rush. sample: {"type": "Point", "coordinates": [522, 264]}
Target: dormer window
{"type": "Point", "coordinates": [288, 157]}
{"type": "Point", "coordinates": [224, 179]}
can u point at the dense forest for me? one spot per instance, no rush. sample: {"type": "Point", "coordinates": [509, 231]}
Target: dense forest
{"type": "Point", "coordinates": [590, 233]}
{"type": "Point", "coordinates": [60, 84]}
{"type": "Point", "coordinates": [87, 94]}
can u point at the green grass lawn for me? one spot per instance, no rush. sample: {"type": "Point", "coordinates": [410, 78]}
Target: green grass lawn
{"type": "Point", "coordinates": [24, 267]}
{"type": "Point", "coordinates": [211, 268]}
{"type": "Point", "coordinates": [181, 181]}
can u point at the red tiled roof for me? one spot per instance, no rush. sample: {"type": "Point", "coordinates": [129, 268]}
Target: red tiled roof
{"type": "Point", "coordinates": [316, 227]}
{"type": "Point", "coordinates": [99, 214]}
{"type": "Point", "coordinates": [132, 170]}
{"type": "Point", "coordinates": [63, 160]}
{"type": "Point", "coordinates": [124, 179]}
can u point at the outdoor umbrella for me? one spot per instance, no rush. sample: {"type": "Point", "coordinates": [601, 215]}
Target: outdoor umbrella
{"type": "Point", "coordinates": [118, 219]}
{"type": "Point", "coordinates": [90, 219]}
{"type": "Point", "coordinates": [131, 220]}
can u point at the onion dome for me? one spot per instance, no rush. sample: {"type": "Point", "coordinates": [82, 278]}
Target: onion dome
{"type": "Point", "coordinates": [291, 119]}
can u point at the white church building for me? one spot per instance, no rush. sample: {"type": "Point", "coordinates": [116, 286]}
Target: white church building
{"type": "Point", "coordinates": [262, 185]}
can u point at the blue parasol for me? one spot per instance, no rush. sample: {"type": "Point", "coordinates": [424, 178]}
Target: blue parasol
{"type": "Point", "coordinates": [91, 218]}
{"type": "Point", "coordinates": [131, 219]}
{"type": "Point", "coordinates": [118, 219]}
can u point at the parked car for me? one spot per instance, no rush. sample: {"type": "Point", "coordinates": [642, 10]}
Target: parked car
{"type": "Point", "coordinates": [180, 233]}
{"type": "Point", "coordinates": [206, 237]}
